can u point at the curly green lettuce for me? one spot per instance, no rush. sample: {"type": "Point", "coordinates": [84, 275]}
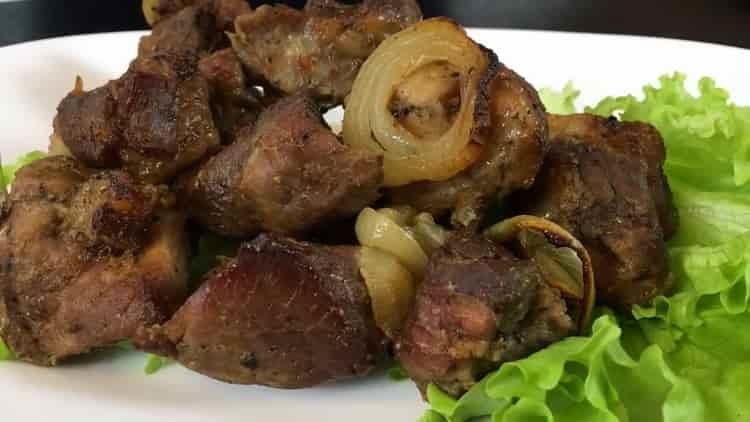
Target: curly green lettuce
{"type": "Point", "coordinates": [154, 363]}
{"type": "Point", "coordinates": [707, 138]}
{"type": "Point", "coordinates": [685, 358]}
{"type": "Point", "coordinates": [560, 102]}
{"type": "Point", "coordinates": [5, 352]}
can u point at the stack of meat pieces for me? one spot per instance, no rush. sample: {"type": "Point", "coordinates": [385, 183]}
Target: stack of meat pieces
{"type": "Point", "coordinates": [226, 131]}
{"type": "Point", "coordinates": [94, 251]}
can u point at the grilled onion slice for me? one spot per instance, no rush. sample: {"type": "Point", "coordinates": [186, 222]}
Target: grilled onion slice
{"type": "Point", "coordinates": [149, 11]}
{"type": "Point", "coordinates": [455, 126]}
{"type": "Point", "coordinates": [391, 287]}
{"type": "Point", "coordinates": [396, 245]}
{"type": "Point", "coordinates": [561, 258]}
{"type": "Point", "coordinates": [413, 101]}
{"type": "Point", "coordinates": [403, 233]}
{"type": "Point", "coordinates": [380, 231]}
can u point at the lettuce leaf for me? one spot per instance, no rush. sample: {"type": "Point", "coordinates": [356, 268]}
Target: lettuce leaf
{"type": "Point", "coordinates": [707, 138]}
{"type": "Point", "coordinates": [8, 172]}
{"type": "Point", "coordinates": [685, 358]}
{"type": "Point", "coordinates": [579, 379]}
{"type": "Point", "coordinates": [154, 363]}
{"type": "Point", "coordinates": [5, 352]}
{"type": "Point", "coordinates": [560, 102]}
{"type": "Point", "coordinates": [396, 373]}
{"type": "Point", "coordinates": [208, 252]}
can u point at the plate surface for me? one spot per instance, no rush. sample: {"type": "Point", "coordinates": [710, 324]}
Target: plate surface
{"type": "Point", "coordinates": [111, 386]}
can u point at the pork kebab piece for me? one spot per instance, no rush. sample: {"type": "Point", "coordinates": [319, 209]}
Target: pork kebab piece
{"type": "Point", "coordinates": [155, 120]}
{"type": "Point", "coordinates": [287, 314]}
{"type": "Point", "coordinates": [86, 257]}
{"type": "Point", "coordinates": [224, 11]}
{"type": "Point", "coordinates": [483, 302]}
{"type": "Point", "coordinates": [288, 173]}
{"type": "Point", "coordinates": [235, 102]}
{"type": "Point", "coordinates": [317, 51]}
{"type": "Point", "coordinates": [603, 181]}
{"type": "Point", "coordinates": [457, 128]}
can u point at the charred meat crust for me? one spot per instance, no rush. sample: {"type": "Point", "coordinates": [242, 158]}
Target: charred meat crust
{"type": "Point", "coordinates": [602, 180]}
{"type": "Point", "coordinates": [86, 258]}
{"type": "Point", "coordinates": [635, 139]}
{"type": "Point", "coordinates": [235, 103]}
{"type": "Point", "coordinates": [156, 119]}
{"type": "Point", "coordinates": [287, 174]}
{"type": "Point", "coordinates": [191, 31]}
{"type": "Point", "coordinates": [317, 51]}
{"type": "Point", "coordinates": [478, 306]}
{"type": "Point", "coordinates": [511, 125]}
{"type": "Point", "coordinates": [166, 119]}
{"type": "Point", "coordinates": [85, 119]}
{"type": "Point", "coordinates": [285, 314]}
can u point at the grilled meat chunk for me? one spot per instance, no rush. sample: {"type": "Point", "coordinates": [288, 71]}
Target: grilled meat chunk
{"type": "Point", "coordinates": [86, 258]}
{"type": "Point", "coordinates": [285, 314]}
{"type": "Point", "coordinates": [165, 117]}
{"type": "Point", "coordinates": [478, 306]}
{"type": "Point", "coordinates": [156, 119]}
{"type": "Point", "coordinates": [287, 174]}
{"type": "Point", "coordinates": [86, 125]}
{"type": "Point", "coordinates": [319, 50]}
{"type": "Point", "coordinates": [602, 180]}
{"type": "Point", "coordinates": [236, 104]}
{"type": "Point", "coordinates": [191, 31]}
{"type": "Point", "coordinates": [223, 11]}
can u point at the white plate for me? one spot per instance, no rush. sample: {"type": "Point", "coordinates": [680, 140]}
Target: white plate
{"type": "Point", "coordinates": [112, 387]}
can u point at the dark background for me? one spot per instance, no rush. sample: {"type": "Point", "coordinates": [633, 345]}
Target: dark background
{"type": "Point", "coordinates": [726, 22]}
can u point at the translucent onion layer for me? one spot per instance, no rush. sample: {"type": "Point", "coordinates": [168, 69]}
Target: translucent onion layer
{"type": "Point", "coordinates": [380, 231]}
{"type": "Point", "coordinates": [370, 124]}
{"type": "Point", "coordinates": [561, 258]}
{"type": "Point", "coordinates": [391, 287]}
